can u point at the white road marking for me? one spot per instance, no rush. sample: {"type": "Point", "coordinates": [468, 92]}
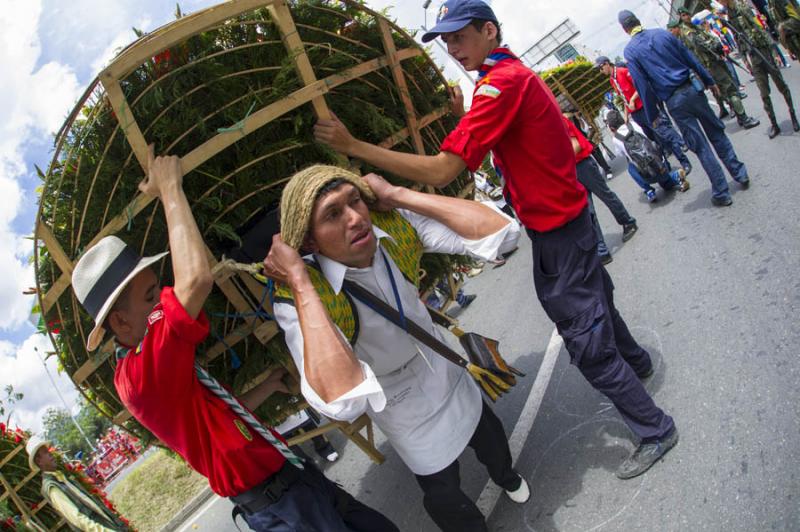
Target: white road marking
{"type": "Point", "coordinates": [195, 517]}
{"type": "Point", "coordinates": [491, 492]}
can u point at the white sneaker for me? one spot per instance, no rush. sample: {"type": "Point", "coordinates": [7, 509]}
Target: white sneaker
{"type": "Point", "coordinates": [609, 176]}
{"type": "Point", "coordinates": [332, 457]}
{"type": "Point", "coordinates": [521, 494]}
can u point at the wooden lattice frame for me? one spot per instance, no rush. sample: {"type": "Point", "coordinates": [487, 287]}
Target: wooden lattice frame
{"type": "Point", "coordinates": [240, 289]}
{"type": "Point", "coordinates": [582, 91]}
{"type": "Point", "coordinates": [11, 492]}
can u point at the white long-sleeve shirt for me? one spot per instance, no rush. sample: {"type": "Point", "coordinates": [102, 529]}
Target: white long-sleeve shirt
{"type": "Point", "coordinates": [427, 407]}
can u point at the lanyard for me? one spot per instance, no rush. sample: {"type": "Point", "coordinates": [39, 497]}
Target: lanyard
{"type": "Point", "coordinates": [396, 292]}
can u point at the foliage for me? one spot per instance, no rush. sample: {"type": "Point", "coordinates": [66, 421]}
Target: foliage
{"type": "Point", "coordinates": [7, 401]}
{"type": "Point", "coordinates": [183, 97]}
{"type": "Point", "coordinates": [61, 430]}
{"type": "Point", "coordinates": [581, 82]}
{"type": "Point", "coordinates": [159, 487]}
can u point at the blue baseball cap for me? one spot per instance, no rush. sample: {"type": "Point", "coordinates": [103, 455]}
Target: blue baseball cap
{"type": "Point", "coordinates": [600, 61]}
{"type": "Point", "coordinates": [456, 14]}
{"type": "Point", "coordinates": [624, 15]}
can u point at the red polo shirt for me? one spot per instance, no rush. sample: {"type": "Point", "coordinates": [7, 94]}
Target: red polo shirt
{"type": "Point", "coordinates": [158, 385]}
{"type": "Point", "coordinates": [586, 146]}
{"type": "Point", "coordinates": [622, 83]}
{"type": "Point", "coordinates": [516, 116]}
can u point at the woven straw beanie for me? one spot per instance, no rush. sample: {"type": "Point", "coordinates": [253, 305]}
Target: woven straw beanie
{"type": "Point", "coordinates": [300, 194]}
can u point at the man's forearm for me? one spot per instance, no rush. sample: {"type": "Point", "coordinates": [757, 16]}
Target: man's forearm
{"type": "Point", "coordinates": [436, 170]}
{"type": "Point", "coordinates": [469, 219]}
{"type": "Point", "coordinates": [329, 364]}
{"type": "Point", "coordinates": [193, 280]}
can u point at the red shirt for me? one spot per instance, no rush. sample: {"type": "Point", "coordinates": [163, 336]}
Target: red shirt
{"type": "Point", "coordinates": [622, 83]}
{"type": "Point", "coordinates": [516, 116]}
{"type": "Point", "coordinates": [158, 385]}
{"type": "Point", "coordinates": [586, 146]}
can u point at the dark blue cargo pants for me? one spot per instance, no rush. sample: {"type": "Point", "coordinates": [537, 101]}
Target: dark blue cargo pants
{"type": "Point", "coordinates": [576, 292]}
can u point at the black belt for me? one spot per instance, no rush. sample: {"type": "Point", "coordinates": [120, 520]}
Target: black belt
{"type": "Point", "coordinates": [268, 492]}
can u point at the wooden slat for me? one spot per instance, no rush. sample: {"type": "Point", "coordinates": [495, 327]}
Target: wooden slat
{"type": "Point", "coordinates": [52, 295]}
{"type": "Point", "coordinates": [294, 45]}
{"type": "Point", "coordinates": [11, 455]}
{"type": "Point", "coordinates": [402, 86]}
{"type": "Point", "coordinates": [122, 417]}
{"type": "Point", "coordinates": [93, 362]}
{"type": "Point", "coordinates": [55, 250]}
{"type": "Point", "coordinates": [177, 32]}
{"type": "Point", "coordinates": [126, 119]}
{"type": "Point", "coordinates": [427, 120]}
{"type": "Point", "coordinates": [11, 492]}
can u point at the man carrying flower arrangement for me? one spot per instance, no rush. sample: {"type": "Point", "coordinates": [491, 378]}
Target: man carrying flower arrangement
{"type": "Point", "coordinates": [80, 507]}
{"type": "Point", "coordinates": [157, 378]}
{"type": "Point", "coordinates": [365, 236]}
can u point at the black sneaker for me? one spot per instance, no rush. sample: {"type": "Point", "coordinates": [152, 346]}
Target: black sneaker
{"type": "Point", "coordinates": [628, 230]}
{"type": "Point", "coordinates": [646, 455]}
{"type": "Point", "coordinates": [721, 202]}
{"type": "Point", "coordinates": [606, 259]}
{"type": "Point", "coordinates": [646, 374]}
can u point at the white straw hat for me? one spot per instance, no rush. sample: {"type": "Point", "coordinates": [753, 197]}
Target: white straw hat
{"type": "Point", "coordinates": [100, 277]}
{"type": "Point", "coordinates": [32, 447]}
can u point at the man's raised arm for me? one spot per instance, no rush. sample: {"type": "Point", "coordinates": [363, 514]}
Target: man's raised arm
{"type": "Point", "coordinates": [437, 170]}
{"type": "Point", "coordinates": [329, 364]}
{"type": "Point", "coordinates": [193, 279]}
{"type": "Point", "coordinates": [469, 219]}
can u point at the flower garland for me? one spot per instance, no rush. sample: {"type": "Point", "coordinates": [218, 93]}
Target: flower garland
{"type": "Point", "coordinates": [77, 474]}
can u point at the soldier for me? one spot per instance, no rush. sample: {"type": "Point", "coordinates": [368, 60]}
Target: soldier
{"type": "Point", "coordinates": [786, 14]}
{"type": "Point", "coordinates": [709, 51]}
{"type": "Point", "coordinates": [757, 44]}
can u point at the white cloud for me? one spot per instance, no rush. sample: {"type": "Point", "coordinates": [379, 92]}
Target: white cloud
{"type": "Point", "coordinates": [21, 366]}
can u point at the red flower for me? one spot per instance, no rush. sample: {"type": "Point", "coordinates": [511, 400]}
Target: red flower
{"type": "Point", "coordinates": [17, 438]}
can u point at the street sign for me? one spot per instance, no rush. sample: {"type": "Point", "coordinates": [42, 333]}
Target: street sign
{"type": "Point", "coordinates": [550, 43]}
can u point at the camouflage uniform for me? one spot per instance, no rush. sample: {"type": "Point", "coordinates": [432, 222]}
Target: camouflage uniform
{"type": "Point", "coordinates": [786, 14]}
{"type": "Point", "coordinates": [757, 43]}
{"type": "Point", "coordinates": [710, 53]}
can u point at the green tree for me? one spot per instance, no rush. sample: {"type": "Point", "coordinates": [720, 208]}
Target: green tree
{"type": "Point", "coordinates": [60, 429]}
{"type": "Point", "coordinates": [7, 401]}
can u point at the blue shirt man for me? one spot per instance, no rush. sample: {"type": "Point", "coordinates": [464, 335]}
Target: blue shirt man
{"type": "Point", "coordinates": [662, 68]}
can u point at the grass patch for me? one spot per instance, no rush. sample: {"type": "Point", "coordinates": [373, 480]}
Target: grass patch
{"type": "Point", "coordinates": [151, 495]}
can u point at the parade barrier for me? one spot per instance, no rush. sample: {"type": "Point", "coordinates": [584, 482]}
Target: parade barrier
{"type": "Point", "coordinates": [583, 87]}
{"type": "Point", "coordinates": [234, 91]}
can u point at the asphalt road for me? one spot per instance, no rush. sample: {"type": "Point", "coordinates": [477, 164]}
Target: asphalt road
{"type": "Point", "coordinates": [714, 294]}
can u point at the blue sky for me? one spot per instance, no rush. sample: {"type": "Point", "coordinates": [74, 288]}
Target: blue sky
{"type": "Point", "coordinates": [49, 52]}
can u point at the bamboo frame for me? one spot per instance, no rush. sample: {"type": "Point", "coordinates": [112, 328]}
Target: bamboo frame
{"type": "Point", "coordinates": [239, 289]}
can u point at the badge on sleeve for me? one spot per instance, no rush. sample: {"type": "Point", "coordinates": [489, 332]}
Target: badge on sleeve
{"type": "Point", "coordinates": [488, 90]}
{"type": "Point", "coordinates": [243, 429]}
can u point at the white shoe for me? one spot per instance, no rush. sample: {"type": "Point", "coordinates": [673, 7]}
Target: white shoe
{"type": "Point", "coordinates": [521, 494]}
{"type": "Point", "coordinates": [609, 176]}
{"type": "Point", "coordinates": [332, 457]}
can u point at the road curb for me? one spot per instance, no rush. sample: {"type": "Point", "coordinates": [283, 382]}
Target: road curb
{"type": "Point", "coordinates": [190, 508]}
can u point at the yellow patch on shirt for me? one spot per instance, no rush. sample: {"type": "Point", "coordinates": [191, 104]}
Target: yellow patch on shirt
{"type": "Point", "coordinates": [243, 429]}
{"type": "Point", "coordinates": [488, 90]}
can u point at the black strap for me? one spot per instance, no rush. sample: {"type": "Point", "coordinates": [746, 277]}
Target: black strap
{"type": "Point", "coordinates": [385, 310]}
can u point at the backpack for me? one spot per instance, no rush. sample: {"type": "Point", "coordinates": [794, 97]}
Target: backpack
{"type": "Point", "coordinates": [644, 154]}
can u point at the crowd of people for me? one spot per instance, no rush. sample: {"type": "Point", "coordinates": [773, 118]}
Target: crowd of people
{"type": "Point", "coordinates": [343, 235]}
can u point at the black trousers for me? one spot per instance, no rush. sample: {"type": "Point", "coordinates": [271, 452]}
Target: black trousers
{"type": "Point", "coordinates": [316, 504]}
{"type": "Point", "coordinates": [590, 177]}
{"type": "Point", "coordinates": [577, 294]}
{"type": "Point", "coordinates": [449, 507]}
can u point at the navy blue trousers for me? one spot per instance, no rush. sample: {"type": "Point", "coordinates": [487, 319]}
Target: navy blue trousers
{"type": "Point", "coordinates": [577, 294]}
{"type": "Point", "coordinates": [690, 110]}
{"type": "Point", "coordinates": [309, 505]}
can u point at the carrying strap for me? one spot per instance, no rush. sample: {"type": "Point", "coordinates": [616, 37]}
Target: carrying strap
{"type": "Point", "coordinates": [392, 315]}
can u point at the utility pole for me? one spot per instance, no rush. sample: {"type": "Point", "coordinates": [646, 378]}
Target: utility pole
{"type": "Point", "coordinates": [63, 401]}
